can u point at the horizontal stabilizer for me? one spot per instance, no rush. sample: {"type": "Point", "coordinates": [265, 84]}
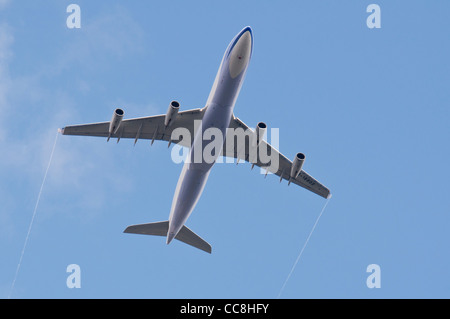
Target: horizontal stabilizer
{"type": "Point", "coordinates": [185, 235]}
{"type": "Point", "coordinates": [155, 229]}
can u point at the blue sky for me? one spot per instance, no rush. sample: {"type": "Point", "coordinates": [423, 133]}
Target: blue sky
{"type": "Point", "coordinates": [368, 107]}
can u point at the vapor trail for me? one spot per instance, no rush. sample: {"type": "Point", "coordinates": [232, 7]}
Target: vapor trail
{"type": "Point", "coordinates": [32, 218]}
{"type": "Point", "coordinates": [303, 248]}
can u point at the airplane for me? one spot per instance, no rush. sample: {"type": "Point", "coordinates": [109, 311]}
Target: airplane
{"type": "Point", "coordinates": [218, 113]}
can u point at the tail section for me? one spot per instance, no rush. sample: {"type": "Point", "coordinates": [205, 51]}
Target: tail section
{"type": "Point", "coordinates": [185, 235]}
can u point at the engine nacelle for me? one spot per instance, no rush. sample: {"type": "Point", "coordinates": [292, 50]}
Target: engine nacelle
{"type": "Point", "coordinates": [261, 128]}
{"type": "Point", "coordinates": [297, 164]}
{"type": "Point", "coordinates": [115, 121]}
{"type": "Point", "coordinates": [172, 112]}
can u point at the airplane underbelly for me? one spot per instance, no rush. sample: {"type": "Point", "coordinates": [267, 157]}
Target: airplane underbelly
{"type": "Point", "coordinates": [189, 189]}
{"type": "Point", "coordinates": [209, 140]}
{"type": "Point", "coordinates": [196, 171]}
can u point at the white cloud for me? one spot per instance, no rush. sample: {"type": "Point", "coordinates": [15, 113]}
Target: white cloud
{"type": "Point", "coordinates": [4, 3]}
{"type": "Point", "coordinates": [32, 112]}
{"type": "Point", "coordinates": [6, 41]}
{"type": "Point", "coordinates": [113, 34]}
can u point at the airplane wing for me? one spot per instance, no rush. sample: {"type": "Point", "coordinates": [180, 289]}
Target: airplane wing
{"type": "Point", "coordinates": [149, 128]}
{"type": "Point", "coordinates": [283, 169]}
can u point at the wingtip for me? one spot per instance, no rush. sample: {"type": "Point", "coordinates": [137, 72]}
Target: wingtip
{"type": "Point", "coordinates": [61, 131]}
{"type": "Point", "coordinates": [329, 196]}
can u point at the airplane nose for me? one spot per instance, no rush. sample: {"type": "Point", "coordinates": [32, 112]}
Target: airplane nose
{"type": "Point", "coordinates": [241, 52]}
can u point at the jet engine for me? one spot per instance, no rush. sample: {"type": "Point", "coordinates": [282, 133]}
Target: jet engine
{"type": "Point", "coordinates": [115, 121]}
{"type": "Point", "coordinates": [261, 128]}
{"type": "Point", "coordinates": [297, 164]}
{"type": "Point", "coordinates": [172, 112]}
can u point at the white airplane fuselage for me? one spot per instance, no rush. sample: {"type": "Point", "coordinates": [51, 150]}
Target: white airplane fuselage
{"type": "Point", "coordinates": [218, 113]}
